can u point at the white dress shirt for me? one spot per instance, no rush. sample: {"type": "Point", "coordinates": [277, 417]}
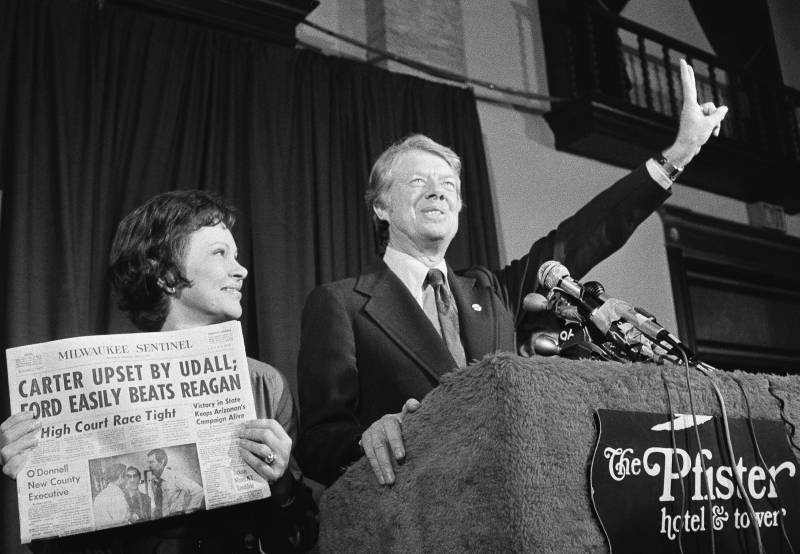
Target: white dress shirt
{"type": "Point", "coordinates": [412, 273]}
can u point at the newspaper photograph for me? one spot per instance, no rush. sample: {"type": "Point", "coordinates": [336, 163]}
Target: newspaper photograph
{"type": "Point", "coordinates": [134, 427]}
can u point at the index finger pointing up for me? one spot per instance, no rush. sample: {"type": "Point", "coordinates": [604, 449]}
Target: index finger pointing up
{"type": "Point", "coordinates": [687, 83]}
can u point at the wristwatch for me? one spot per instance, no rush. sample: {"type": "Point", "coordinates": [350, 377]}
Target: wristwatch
{"type": "Point", "coordinates": [670, 169]}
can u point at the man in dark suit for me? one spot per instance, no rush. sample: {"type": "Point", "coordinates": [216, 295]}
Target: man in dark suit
{"type": "Point", "coordinates": [138, 502]}
{"type": "Point", "coordinates": [372, 345]}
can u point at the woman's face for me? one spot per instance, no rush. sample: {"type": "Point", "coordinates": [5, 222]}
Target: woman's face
{"type": "Point", "coordinates": [214, 296]}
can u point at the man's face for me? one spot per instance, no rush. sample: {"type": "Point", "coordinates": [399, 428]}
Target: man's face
{"type": "Point", "coordinates": [154, 466]}
{"type": "Point", "coordinates": [422, 203]}
{"type": "Point", "coordinates": [132, 480]}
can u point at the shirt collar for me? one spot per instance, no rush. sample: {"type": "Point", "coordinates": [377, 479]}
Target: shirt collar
{"type": "Point", "coordinates": [410, 270]}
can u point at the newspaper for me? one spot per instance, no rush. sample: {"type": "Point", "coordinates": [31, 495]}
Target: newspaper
{"type": "Point", "coordinates": [163, 405]}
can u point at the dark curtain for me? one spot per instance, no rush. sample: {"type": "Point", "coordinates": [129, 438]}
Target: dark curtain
{"type": "Point", "coordinates": [103, 107]}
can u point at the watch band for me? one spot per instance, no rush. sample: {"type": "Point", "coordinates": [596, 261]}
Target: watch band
{"type": "Point", "coordinates": [672, 171]}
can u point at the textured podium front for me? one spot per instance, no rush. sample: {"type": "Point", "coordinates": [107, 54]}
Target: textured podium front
{"type": "Point", "coordinates": [498, 455]}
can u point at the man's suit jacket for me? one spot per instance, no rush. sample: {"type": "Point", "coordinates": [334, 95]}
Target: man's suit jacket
{"type": "Point", "coordinates": [367, 346]}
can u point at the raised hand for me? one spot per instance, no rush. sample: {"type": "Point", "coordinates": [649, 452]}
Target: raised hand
{"type": "Point", "coordinates": [697, 122]}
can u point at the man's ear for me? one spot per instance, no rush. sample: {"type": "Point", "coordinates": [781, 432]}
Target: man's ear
{"type": "Point", "coordinates": [380, 211]}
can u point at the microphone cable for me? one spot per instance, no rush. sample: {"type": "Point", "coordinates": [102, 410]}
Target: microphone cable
{"type": "Point", "coordinates": [792, 426]}
{"type": "Point", "coordinates": [763, 465]}
{"type": "Point", "coordinates": [675, 455]}
{"type": "Point", "coordinates": [707, 371]}
{"type": "Point", "coordinates": [700, 451]}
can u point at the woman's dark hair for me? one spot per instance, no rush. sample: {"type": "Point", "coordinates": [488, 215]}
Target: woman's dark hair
{"type": "Point", "coordinates": [147, 252]}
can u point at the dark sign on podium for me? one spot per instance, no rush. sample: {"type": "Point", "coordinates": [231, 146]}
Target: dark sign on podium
{"type": "Point", "coordinates": [650, 484]}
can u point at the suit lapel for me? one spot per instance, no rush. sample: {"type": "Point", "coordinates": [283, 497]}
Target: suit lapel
{"type": "Point", "coordinates": [478, 329]}
{"type": "Point", "coordinates": [394, 309]}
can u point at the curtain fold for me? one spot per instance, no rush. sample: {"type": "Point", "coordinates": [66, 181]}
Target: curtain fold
{"type": "Point", "coordinates": [103, 107]}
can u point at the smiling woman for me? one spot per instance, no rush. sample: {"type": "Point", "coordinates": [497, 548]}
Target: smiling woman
{"type": "Point", "coordinates": [172, 257]}
{"type": "Point", "coordinates": [211, 266]}
{"type": "Point", "coordinates": [173, 265]}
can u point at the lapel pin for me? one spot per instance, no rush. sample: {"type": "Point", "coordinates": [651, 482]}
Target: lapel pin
{"type": "Point", "coordinates": [477, 307]}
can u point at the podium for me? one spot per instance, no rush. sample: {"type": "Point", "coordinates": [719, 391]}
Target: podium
{"type": "Point", "coordinates": [498, 455]}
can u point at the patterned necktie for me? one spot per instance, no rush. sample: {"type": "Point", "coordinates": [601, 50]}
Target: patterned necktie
{"type": "Point", "coordinates": [158, 498]}
{"type": "Point", "coordinates": [448, 316]}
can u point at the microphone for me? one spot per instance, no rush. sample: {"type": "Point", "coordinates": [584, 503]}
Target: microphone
{"type": "Point", "coordinates": [545, 345]}
{"type": "Point", "coordinates": [638, 344]}
{"type": "Point", "coordinates": [534, 302]}
{"type": "Point", "coordinates": [555, 303]}
{"type": "Point", "coordinates": [554, 276]}
{"type": "Point", "coordinates": [572, 333]}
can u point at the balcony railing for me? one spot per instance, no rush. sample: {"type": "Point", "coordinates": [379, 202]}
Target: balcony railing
{"type": "Point", "coordinates": [625, 76]}
{"type": "Point", "coordinates": [652, 76]}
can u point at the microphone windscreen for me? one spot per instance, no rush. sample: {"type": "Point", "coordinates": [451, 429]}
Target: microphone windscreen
{"type": "Point", "coordinates": [550, 273]}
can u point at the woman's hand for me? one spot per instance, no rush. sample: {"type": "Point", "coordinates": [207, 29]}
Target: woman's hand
{"type": "Point", "coordinates": [265, 447]}
{"type": "Point", "coordinates": [19, 435]}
